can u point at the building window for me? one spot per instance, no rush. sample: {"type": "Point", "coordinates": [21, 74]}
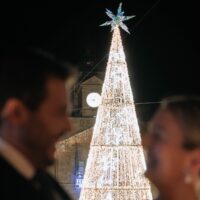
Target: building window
{"type": "Point", "coordinates": [79, 174]}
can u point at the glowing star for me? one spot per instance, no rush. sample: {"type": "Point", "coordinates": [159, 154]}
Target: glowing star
{"type": "Point", "coordinates": [117, 20]}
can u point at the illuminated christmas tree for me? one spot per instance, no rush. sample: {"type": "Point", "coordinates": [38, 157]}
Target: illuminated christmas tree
{"type": "Point", "coordinates": [116, 164]}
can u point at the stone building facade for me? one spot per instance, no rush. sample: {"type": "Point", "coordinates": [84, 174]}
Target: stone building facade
{"type": "Point", "coordinates": [73, 148]}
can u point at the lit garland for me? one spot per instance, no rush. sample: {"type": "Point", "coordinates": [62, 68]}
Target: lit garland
{"type": "Point", "coordinates": [116, 164]}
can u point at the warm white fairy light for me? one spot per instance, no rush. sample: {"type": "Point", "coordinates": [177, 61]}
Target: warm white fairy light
{"type": "Point", "coordinates": [115, 166]}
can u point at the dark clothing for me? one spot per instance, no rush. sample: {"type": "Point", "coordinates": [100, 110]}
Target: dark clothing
{"type": "Point", "coordinates": [14, 186]}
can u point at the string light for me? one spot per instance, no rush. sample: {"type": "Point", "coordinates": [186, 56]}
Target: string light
{"type": "Point", "coordinates": [116, 164]}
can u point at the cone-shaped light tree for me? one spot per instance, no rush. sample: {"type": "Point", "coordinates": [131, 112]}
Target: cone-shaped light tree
{"type": "Point", "coordinates": [116, 164]}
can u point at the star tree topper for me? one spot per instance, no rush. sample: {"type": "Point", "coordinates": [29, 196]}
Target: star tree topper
{"type": "Point", "coordinates": [117, 20]}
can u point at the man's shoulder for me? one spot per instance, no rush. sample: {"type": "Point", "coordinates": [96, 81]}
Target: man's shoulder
{"type": "Point", "coordinates": [13, 184]}
{"type": "Point", "coordinates": [9, 176]}
{"type": "Point", "coordinates": [5, 167]}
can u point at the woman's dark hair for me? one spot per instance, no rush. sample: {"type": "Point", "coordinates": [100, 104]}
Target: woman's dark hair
{"type": "Point", "coordinates": [186, 110]}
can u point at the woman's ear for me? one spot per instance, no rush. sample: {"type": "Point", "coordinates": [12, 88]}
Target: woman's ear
{"type": "Point", "coordinates": [195, 160]}
{"type": "Point", "coordinates": [195, 168]}
{"type": "Point", "coordinates": [192, 166]}
{"type": "Point", "coordinates": [14, 112]}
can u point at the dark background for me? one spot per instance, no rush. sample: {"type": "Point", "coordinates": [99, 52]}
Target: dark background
{"type": "Point", "coordinates": [162, 50]}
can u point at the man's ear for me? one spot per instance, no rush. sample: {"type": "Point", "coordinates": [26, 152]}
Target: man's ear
{"type": "Point", "coordinates": [14, 112]}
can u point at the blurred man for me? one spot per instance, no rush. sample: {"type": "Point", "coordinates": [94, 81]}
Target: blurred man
{"type": "Point", "coordinates": [34, 106]}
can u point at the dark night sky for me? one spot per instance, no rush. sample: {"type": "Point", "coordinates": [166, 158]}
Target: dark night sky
{"type": "Point", "coordinates": [162, 50]}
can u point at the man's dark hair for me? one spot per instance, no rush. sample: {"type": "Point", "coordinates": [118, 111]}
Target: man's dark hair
{"type": "Point", "coordinates": [23, 75]}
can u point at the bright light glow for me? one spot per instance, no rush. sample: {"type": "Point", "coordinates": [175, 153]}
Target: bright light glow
{"type": "Point", "coordinates": [93, 99]}
{"type": "Point", "coordinates": [116, 164]}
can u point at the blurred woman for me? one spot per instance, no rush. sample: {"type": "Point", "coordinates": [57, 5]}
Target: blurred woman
{"type": "Point", "coordinates": [173, 149]}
